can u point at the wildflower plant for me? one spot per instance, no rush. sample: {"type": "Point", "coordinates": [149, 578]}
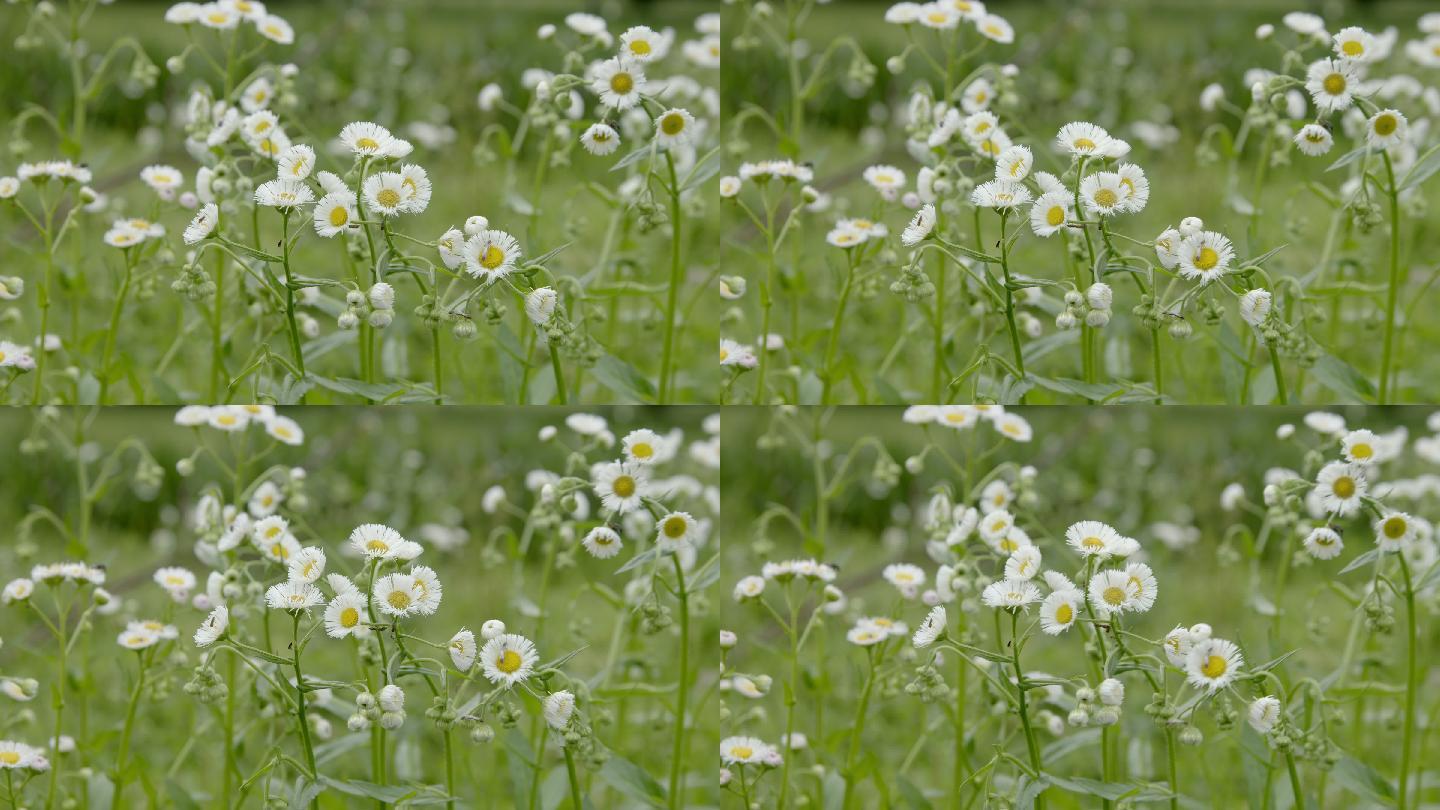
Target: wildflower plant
{"type": "Point", "coordinates": [997, 195]}
{"type": "Point", "coordinates": [302, 237]}
{"type": "Point", "coordinates": [1016, 621]}
{"type": "Point", "coordinates": [323, 662]}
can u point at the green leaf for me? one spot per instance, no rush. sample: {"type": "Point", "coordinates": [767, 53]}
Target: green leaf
{"type": "Point", "coordinates": [1348, 158]}
{"type": "Point", "coordinates": [1343, 378]}
{"type": "Point", "coordinates": [1426, 166]}
{"type": "Point", "coordinates": [378, 392]}
{"type": "Point", "coordinates": [384, 793]}
{"type": "Point", "coordinates": [1030, 790]}
{"type": "Point", "coordinates": [1362, 561]}
{"type": "Point", "coordinates": [623, 379]}
{"type": "Point", "coordinates": [1135, 792]}
{"type": "Point", "coordinates": [632, 781]}
{"type": "Point", "coordinates": [1098, 392]}
{"type": "Point", "coordinates": [1363, 780]}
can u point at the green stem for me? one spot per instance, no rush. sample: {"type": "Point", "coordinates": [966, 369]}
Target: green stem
{"type": "Point", "coordinates": [1393, 292]}
{"type": "Point", "coordinates": [44, 300]}
{"type": "Point", "coordinates": [1010, 305]}
{"type": "Point", "coordinates": [114, 327]}
{"type": "Point", "coordinates": [230, 768]}
{"type": "Point", "coordinates": [834, 338]}
{"type": "Point", "coordinates": [678, 748]}
{"type": "Point", "coordinates": [574, 780]}
{"type": "Point", "coordinates": [1279, 375]}
{"type": "Point", "coordinates": [439, 370]}
{"type": "Point", "coordinates": [1030, 743]}
{"type": "Point", "coordinates": [1295, 782]}
{"type": "Point", "coordinates": [302, 714]}
{"type": "Point", "coordinates": [119, 776]}
{"type": "Point", "coordinates": [1159, 365]}
{"type": "Point", "coordinates": [290, 299]}
{"type": "Point", "coordinates": [857, 727]}
{"type": "Point", "coordinates": [936, 375]}
{"type": "Point", "coordinates": [558, 371]}
{"type": "Point", "coordinates": [677, 276]}
{"type": "Point", "coordinates": [1412, 677]}
{"type": "Point", "coordinates": [217, 359]}
{"type": "Point", "coordinates": [59, 705]}
{"type": "Point", "coordinates": [960, 763]}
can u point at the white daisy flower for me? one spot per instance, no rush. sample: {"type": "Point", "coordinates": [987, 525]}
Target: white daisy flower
{"type": "Point", "coordinates": [293, 596]}
{"type": "Point", "coordinates": [931, 628]}
{"type": "Point", "coordinates": [307, 565]}
{"type": "Point", "coordinates": [621, 486]}
{"type": "Point", "coordinates": [285, 430]}
{"type": "Point", "coordinates": [995, 28]}
{"type": "Point", "coordinates": [1354, 44]}
{"type": "Point", "coordinates": [463, 650]}
{"type": "Point", "coordinates": [283, 194]}
{"type": "Point", "coordinates": [1385, 129]}
{"type": "Point", "coordinates": [1023, 563]}
{"type": "Point", "coordinates": [642, 44]}
{"type": "Point", "coordinates": [1205, 256]}
{"type": "Point", "coordinates": [1000, 195]}
{"type": "Point", "coordinates": [508, 659]}
{"type": "Point", "coordinates": [1081, 138]}
{"type": "Point", "coordinates": [675, 530]}
{"type": "Point", "coordinates": [642, 446]}
{"type": "Point", "coordinates": [1013, 426]}
{"type": "Point", "coordinates": [385, 194]}
{"type": "Point", "coordinates": [1103, 193]}
{"type": "Point", "coordinates": [600, 140]}
{"type": "Point", "coordinates": [296, 163]}
{"type": "Point", "coordinates": [1340, 487]}
{"type": "Point", "coordinates": [1050, 212]}
{"type": "Point", "coordinates": [345, 615]}
{"type": "Point", "coordinates": [1092, 538]}
{"type": "Point", "coordinates": [178, 582]}
{"type": "Point", "coordinates": [1255, 306]}
{"type": "Point", "coordinates": [674, 128]}
{"type": "Point", "coordinates": [203, 224]}
{"type": "Point", "coordinates": [920, 226]}
{"type": "Point", "coordinates": [491, 255]}
{"type": "Point", "coordinates": [367, 139]}
{"type": "Point", "coordinates": [749, 587]}
{"type": "Point", "coordinates": [1112, 591]}
{"type": "Point", "coordinates": [1014, 164]}
{"type": "Point", "coordinates": [451, 246]}
{"type": "Point", "coordinates": [866, 635]}
{"type": "Point", "coordinates": [427, 589]}
{"type": "Point", "coordinates": [396, 595]}
{"type": "Point", "coordinates": [1324, 543]}
{"type": "Point", "coordinates": [743, 750]}
{"type": "Point", "coordinates": [1212, 663]}
{"type": "Point", "coordinates": [885, 179]}
{"type": "Point", "coordinates": [1359, 446]}
{"type": "Point", "coordinates": [275, 29]}
{"type": "Point", "coordinates": [213, 627]}
{"type": "Point", "coordinates": [137, 638]}
{"type": "Point", "coordinates": [1394, 531]}
{"type": "Point", "coordinates": [1145, 587]}
{"type": "Point", "coordinates": [376, 542]}
{"type": "Point", "coordinates": [602, 542]}
{"type": "Point", "coordinates": [1060, 610]}
{"type": "Point", "coordinates": [558, 709]}
{"type": "Point", "coordinates": [1264, 714]}
{"type": "Point", "coordinates": [163, 179]}
{"type": "Point", "coordinates": [1010, 593]}
{"type": "Point", "coordinates": [1332, 83]}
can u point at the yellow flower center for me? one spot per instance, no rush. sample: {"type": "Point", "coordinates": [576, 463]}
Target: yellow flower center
{"type": "Point", "coordinates": [1207, 259]}
{"type": "Point", "coordinates": [9, 757]}
{"type": "Point", "coordinates": [174, 580]}
{"type": "Point", "coordinates": [675, 527]}
{"type": "Point", "coordinates": [274, 30]}
{"type": "Point", "coordinates": [622, 83]}
{"type": "Point", "coordinates": [742, 752]}
{"type": "Point", "coordinates": [1395, 528]}
{"type": "Point", "coordinates": [1215, 666]}
{"type": "Point", "coordinates": [368, 143]}
{"type": "Point", "coordinates": [1344, 486]}
{"type": "Point", "coordinates": [377, 546]}
{"type": "Point", "coordinates": [642, 450]}
{"type": "Point", "coordinates": [1352, 48]}
{"type": "Point", "coordinates": [1064, 613]}
{"type": "Point", "coordinates": [388, 197]}
{"type": "Point", "coordinates": [1334, 84]}
{"type": "Point", "coordinates": [1361, 450]}
{"type": "Point", "coordinates": [1114, 595]}
{"type": "Point", "coordinates": [349, 617]}
{"type": "Point", "coordinates": [1055, 216]}
{"type": "Point", "coordinates": [398, 600]}
{"type": "Point", "coordinates": [1385, 125]}
{"type": "Point", "coordinates": [280, 551]}
{"type": "Point", "coordinates": [508, 662]}
{"type": "Point", "coordinates": [225, 419]}
{"type": "Point", "coordinates": [1092, 543]}
{"type": "Point", "coordinates": [640, 47]}
{"type": "Point", "coordinates": [672, 124]}
{"type": "Point", "coordinates": [1084, 144]}
{"type": "Point", "coordinates": [624, 486]}
{"type": "Point", "coordinates": [493, 258]}
{"type": "Point", "coordinates": [1106, 198]}
{"type": "Point", "coordinates": [219, 18]}
{"type": "Point", "coordinates": [1008, 545]}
